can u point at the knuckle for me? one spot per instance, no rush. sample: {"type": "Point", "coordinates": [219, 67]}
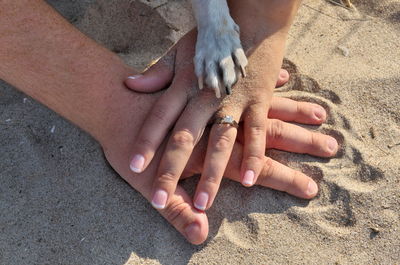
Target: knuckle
{"type": "Point", "coordinates": [257, 130]}
{"type": "Point", "coordinates": [159, 113]}
{"type": "Point", "coordinates": [145, 143]}
{"type": "Point", "coordinates": [212, 179]}
{"type": "Point", "coordinates": [183, 139]}
{"type": "Point", "coordinates": [174, 211]}
{"type": "Point", "coordinates": [302, 108]}
{"type": "Point", "coordinates": [290, 183]}
{"type": "Point", "coordinates": [268, 163]}
{"type": "Point", "coordinates": [222, 142]}
{"type": "Point", "coordinates": [313, 139]}
{"type": "Point", "coordinates": [268, 168]}
{"type": "Point", "coordinates": [167, 177]}
{"type": "Point", "coordinates": [276, 130]}
{"type": "Point", "coordinates": [299, 108]}
{"type": "Point", "coordinates": [255, 158]}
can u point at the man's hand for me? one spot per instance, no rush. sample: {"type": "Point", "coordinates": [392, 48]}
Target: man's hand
{"type": "Point", "coordinates": [179, 210]}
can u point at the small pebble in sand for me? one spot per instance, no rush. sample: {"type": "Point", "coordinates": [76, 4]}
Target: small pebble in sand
{"type": "Point", "coordinates": [345, 51]}
{"type": "Point", "coordinates": [390, 146]}
{"type": "Point", "coordinates": [8, 120]}
{"type": "Point", "coordinates": [374, 231]}
{"type": "Point", "coordinates": [24, 100]}
{"type": "Point", "coordinates": [372, 132]}
{"type": "Point", "coordinates": [53, 129]}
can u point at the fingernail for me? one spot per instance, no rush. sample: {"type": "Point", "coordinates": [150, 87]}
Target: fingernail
{"type": "Point", "coordinates": [332, 144]}
{"type": "Point", "coordinates": [201, 201]}
{"type": "Point", "coordinates": [283, 74]}
{"type": "Point", "coordinates": [248, 178]}
{"type": "Point", "coordinates": [137, 163]}
{"type": "Point", "coordinates": [159, 199]}
{"type": "Point", "coordinates": [312, 188]}
{"type": "Point", "coordinates": [319, 113]}
{"type": "Point", "coordinates": [134, 76]}
{"type": "Point", "coordinates": [192, 232]}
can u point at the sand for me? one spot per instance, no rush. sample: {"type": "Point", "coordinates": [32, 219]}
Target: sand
{"type": "Point", "coordinates": [60, 202]}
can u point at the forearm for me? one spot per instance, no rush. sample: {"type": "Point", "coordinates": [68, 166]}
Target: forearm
{"type": "Point", "coordinates": [47, 58]}
{"type": "Point", "coordinates": [263, 19]}
{"type": "Point", "coordinates": [264, 25]}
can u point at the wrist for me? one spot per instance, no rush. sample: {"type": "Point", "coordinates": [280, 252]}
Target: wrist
{"type": "Point", "coordinates": [263, 19]}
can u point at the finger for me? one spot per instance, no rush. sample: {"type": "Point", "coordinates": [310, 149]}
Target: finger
{"type": "Point", "coordinates": [283, 78]}
{"type": "Point", "coordinates": [221, 140]}
{"type": "Point", "coordinates": [254, 143]}
{"type": "Point", "coordinates": [293, 138]}
{"type": "Point", "coordinates": [280, 177]}
{"type": "Point", "coordinates": [185, 135]}
{"type": "Point", "coordinates": [286, 109]}
{"type": "Point", "coordinates": [156, 126]}
{"type": "Point", "coordinates": [157, 77]}
{"type": "Point", "coordinates": [179, 212]}
{"type": "Point", "coordinates": [274, 175]}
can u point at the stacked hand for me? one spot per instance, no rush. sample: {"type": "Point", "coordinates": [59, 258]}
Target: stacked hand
{"type": "Point", "coordinates": [188, 111]}
{"type": "Point", "coordinates": [82, 82]}
{"type": "Point", "coordinates": [186, 152]}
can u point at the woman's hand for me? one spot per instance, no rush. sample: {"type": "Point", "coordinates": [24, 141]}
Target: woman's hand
{"type": "Point", "coordinates": [191, 110]}
{"type": "Point", "coordinates": [264, 26]}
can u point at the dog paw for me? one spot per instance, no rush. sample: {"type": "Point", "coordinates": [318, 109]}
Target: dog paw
{"type": "Point", "coordinates": [219, 56]}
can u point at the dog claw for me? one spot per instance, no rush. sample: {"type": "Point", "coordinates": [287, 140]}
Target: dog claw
{"type": "Point", "coordinates": [200, 82]}
{"type": "Point", "coordinates": [217, 93]}
{"type": "Point", "coordinates": [228, 90]}
{"type": "Point", "coordinates": [243, 71]}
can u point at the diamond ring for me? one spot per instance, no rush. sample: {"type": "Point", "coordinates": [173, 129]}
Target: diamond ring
{"type": "Point", "coordinates": [227, 120]}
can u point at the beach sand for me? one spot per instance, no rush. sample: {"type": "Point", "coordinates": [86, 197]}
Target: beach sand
{"type": "Point", "coordinates": [61, 203]}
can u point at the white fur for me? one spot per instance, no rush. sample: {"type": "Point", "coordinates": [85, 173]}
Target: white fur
{"type": "Point", "coordinates": [219, 55]}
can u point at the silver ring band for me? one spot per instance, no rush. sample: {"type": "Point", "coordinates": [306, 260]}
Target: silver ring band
{"type": "Point", "coordinates": [227, 120]}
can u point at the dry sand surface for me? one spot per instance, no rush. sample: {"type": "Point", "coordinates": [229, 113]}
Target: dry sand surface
{"type": "Point", "coordinates": [60, 202]}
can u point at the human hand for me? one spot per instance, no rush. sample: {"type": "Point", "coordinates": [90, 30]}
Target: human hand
{"type": "Point", "coordinates": [110, 113]}
{"type": "Point", "coordinates": [180, 211]}
{"type": "Point", "coordinates": [191, 110]}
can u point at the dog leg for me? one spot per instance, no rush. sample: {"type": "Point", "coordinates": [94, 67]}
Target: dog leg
{"type": "Point", "coordinates": [219, 54]}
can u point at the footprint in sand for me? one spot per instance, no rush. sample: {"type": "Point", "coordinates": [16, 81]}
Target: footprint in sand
{"type": "Point", "coordinates": [243, 233]}
{"type": "Point", "coordinates": [343, 179]}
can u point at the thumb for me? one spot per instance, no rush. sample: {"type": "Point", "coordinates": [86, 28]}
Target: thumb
{"type": "Point", "coordinates": [190, 222]}
{"type": "Point", "coordinates": [283, 78]}
{"type": "Point", "coordinates": [156, 78]}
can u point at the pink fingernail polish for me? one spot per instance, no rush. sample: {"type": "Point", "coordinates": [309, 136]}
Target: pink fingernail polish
{"type": "Point", "coordinates": [248, 178]}
{"type": "Point", "coordinates": [312, 188]}
{"type": "Point", "coordinates": [134, 77]}
{"type": "Point", "coordinates": [201, 201]}
{"type": "Point", "coordinates": [159, 199]}
{"type": "Point", "coordinates": [137, 163]}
